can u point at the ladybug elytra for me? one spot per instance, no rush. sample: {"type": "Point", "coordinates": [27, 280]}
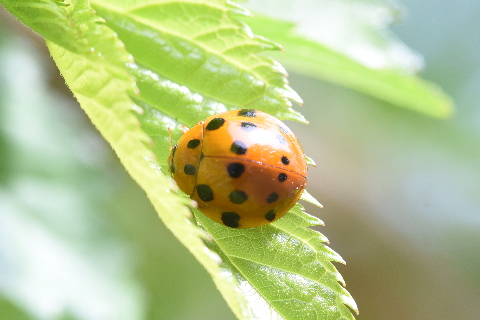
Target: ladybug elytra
{"type": "Point", "coordinates": [244, 167]}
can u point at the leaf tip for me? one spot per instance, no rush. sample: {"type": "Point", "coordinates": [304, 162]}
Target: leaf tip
{"type": "Point", "coordinates": [310, 161]}
{"type": "Point", "coordinates": [310, 199]}
{"type": "Point", "coordinates": [235, 8]}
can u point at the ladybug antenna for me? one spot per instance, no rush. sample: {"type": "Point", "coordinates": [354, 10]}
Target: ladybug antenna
{"type": "Point", "coordinates": [171, 139]}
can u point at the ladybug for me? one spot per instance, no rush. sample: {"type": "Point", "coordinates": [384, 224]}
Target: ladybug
{"type": "Point", "coordinates": [244, 167]}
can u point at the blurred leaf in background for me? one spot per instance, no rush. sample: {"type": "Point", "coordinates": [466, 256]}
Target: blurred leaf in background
{"type": "Point", "coordinates": [52, 240]}
{"type": "Point", "coordinates": [349, 43]}
{"type": "Point", "coordinates": [357, 28]}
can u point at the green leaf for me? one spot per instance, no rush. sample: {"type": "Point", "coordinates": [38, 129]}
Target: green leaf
{"type": "Point", "coordinates": [200, 46]}
{"type": "Point", "coordinates": [283, 268]}
{"type": "Point", "coordinates": [317, 60]}
{"type": "Point", "coordinates": [310, 161]}
{"type": "Point", "coordinates": [11, 311]}
{"type": "Point", "coordinates": [194, 58]}
{"type": "Point", "coordinates": [62, 23]}
{"type": "Point", "coordinates": [358, 29]}
{"type": "Point", "coordinates": [309, 198]}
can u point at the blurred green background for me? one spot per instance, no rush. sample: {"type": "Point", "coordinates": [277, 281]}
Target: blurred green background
{"type": "Point", "coordinates": [401, 193]}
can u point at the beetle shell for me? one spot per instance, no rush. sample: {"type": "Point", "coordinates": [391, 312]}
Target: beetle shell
{"type": "Point", "coordinates": [243, 167]}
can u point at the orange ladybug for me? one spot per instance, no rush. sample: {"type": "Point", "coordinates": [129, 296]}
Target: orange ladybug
{"type": "Point", "coordinates": [244, 168]}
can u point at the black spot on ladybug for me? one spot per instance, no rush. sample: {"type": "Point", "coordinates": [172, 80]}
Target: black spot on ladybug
{"type": "Point", "coordinates": [248, 126]}
{"type": "Point", "coordinates": [192, 144]}
{"type": "Point", "coordinates": [172, 168]}
{"type": "Point", "coordinates": [230, 219]}
{"type": "Point", "coordinates": [238, 197]}
{"type": "Point", "coordinates": [272, 197]}
{"type": "Point", "coordinates": [235, 170]}
{"type": "Point", "coordinates": [249, 113]}
{"type": "Point", "coordinates": [189, 169]}
{"type": "Point", "coordinates": [205, 192]}
{"type": "Point", "coordinates": [238, 147]}
{"type": "Point", "coordinates": [281, 139]}
{"type": "Point", "coordinates": [284, 129]}
{"type": "Point", "coordinates": [285, 160]}
{"type": "Point", "coordinates": [215, 123]}
{"type": "Point", "coordinates": [270, 215]}
{"type": "Point", "coordinates": [282, 177]}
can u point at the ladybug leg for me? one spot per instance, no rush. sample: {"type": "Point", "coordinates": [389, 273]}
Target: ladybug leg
{"type": "Point", "coordinates": [184, 128]}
